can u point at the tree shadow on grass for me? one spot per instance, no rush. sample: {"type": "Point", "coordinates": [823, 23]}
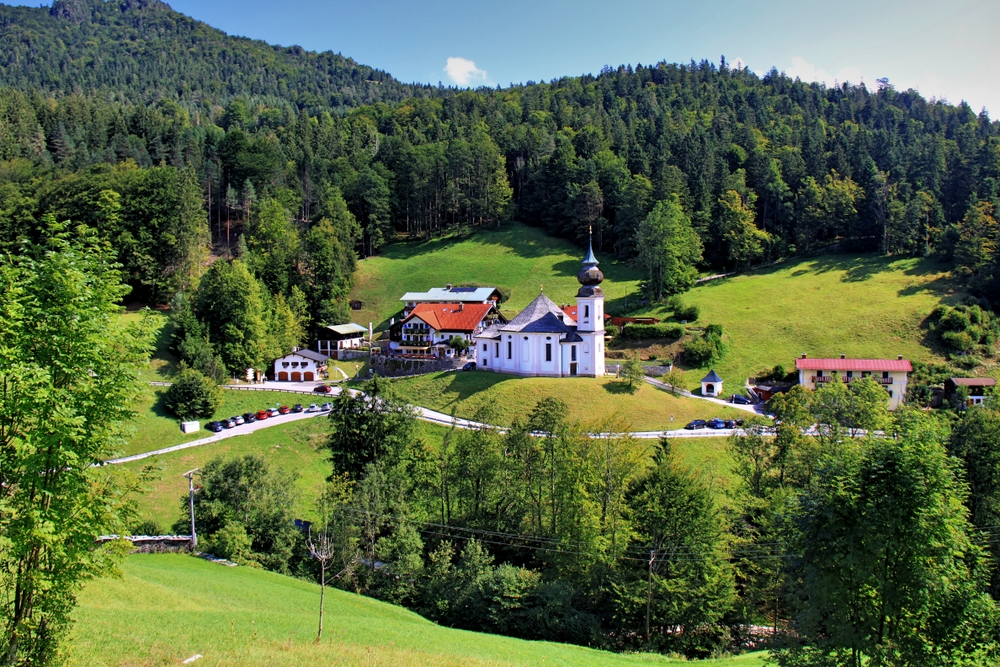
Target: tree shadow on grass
{"type": "Point", "coordinates": [620, 387]}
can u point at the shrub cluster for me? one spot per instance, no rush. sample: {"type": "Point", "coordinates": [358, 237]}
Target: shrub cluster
{"type": "Point", "coordinates": [966, 329]}
{"type": "Point", "coordinates": [637, 331]}
{"type": "Point", "coordinates": [707, 349]}
{"type": "Point", "coordinates": [682, 312]}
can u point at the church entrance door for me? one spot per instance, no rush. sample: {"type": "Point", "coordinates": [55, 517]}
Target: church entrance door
{"type": "Point", "coordinates": [572, 368]}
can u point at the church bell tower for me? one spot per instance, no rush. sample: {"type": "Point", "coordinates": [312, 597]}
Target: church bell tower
{"type": "Point", "coordinates": [590, 314]}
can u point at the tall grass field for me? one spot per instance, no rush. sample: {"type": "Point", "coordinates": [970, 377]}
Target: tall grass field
{"type": "Point", "coordinates": [167, 608]}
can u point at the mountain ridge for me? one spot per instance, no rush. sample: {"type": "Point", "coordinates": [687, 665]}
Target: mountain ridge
{"type": "Point", "coordinates": [117, 47]}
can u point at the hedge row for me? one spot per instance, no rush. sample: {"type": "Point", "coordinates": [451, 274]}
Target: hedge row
{"type": "Point", "coordinates": [642, 331]}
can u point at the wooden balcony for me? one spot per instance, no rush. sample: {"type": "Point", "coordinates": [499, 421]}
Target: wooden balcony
{"type": "Point", "coordinates": [821, 379]}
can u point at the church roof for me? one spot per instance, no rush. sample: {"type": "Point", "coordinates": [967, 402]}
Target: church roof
{"type": "Point", "coordinates": [540, 316]}
{"type": "Point", "coordinates": [711, 377]}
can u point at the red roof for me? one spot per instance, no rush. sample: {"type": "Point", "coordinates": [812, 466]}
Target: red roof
{"type": "Point", "coordinates": [451, 316]}
{"type": "Point", "coordinates": [571, 311]}
{"type": "Point", "coordinates": [853, 365]}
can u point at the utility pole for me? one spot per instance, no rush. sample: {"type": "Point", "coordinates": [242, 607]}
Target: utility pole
{"type": "Point", "coordinates": [649, 591]}
{"type": "Point", "coordinates": [190, 477]}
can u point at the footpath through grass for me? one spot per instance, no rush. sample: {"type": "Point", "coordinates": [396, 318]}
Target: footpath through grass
{"type": "Point", "coordinates": [169, 607]}
{"type": "Point", "coordinates": [589, 399]}
{"type": "Point", "coordinates": [515, 256]}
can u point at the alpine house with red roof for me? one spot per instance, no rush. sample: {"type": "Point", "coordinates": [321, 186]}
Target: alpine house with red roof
{"type": "Point", "coordinates": [890, 373]}
{"type": "Point", "coordinates": [429, 327]}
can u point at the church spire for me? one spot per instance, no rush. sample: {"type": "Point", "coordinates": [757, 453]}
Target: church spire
{"type": "Point", "coordinates": [590, 260]}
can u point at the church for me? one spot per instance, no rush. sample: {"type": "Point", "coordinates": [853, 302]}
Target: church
{"type": "Point", "coordinates": [545, 341]}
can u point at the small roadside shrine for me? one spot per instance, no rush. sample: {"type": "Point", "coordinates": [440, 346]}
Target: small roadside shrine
{"type": "Point", "coordinates": [711, 385]}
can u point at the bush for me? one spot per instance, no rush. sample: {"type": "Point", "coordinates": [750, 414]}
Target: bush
{"type": "Point", "coordinates": [459, 343]}
{"type": "Point", "coordinates": [639, 331]}
{"type": "Point", "coordinates": [193, 396]}
{"type": "Point", "coordinates": [707, 349]}
{"type": "Point", "coordinates": [682, 312]}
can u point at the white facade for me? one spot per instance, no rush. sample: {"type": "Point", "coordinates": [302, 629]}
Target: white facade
{"type": "Point", "coordinates": [543, 341]}
{"type": "Point", "coordinates": [299, 366]}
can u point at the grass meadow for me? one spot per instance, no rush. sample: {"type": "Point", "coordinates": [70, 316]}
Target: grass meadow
{"type": "Point", "coordinates": [869, 307]}
{"type": "Point", "coordinates": [515, 256]}
{"type": "Point", "coordinates": [861, 306]}
{"type": "Point", "coordinates": [169, 607]}
{"type": "Point", "coordinates": [589, 400]}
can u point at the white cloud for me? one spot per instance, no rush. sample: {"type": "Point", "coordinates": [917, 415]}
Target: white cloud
{"type": "Point", "coordinates": [805, 70]}
{"type": "Point", "coordinates": [464, 72]}
{"type": "Point", "coordinates": [739, 63]}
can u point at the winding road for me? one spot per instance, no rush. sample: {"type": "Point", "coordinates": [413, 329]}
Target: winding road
{"type": "Point", "coordinates": [424, 414]}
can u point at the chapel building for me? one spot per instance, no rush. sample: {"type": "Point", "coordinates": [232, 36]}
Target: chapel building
{"type": "Point", "coordinates": [545, 341]}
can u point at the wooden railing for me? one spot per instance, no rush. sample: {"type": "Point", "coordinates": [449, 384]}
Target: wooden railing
{"type": "Point", "coordinates": [820, 379]}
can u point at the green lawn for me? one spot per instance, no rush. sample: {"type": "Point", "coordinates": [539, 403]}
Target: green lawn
{"type": "Point", "coordinates": [169, 607]}
{"type": "Point", "coordinates": [155, 428]}
{"type": "Point", "coordinates": [589, 400]}
{"type": "Point", "coordinates": [516, 257]}
{"type": "Point", "coordinates": [296, 447]}
{"type": "Point", "coordinates": [859, 306]}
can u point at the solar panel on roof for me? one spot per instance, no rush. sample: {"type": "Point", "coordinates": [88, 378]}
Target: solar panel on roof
{"type": "Point", "coordinates": [464, 290]}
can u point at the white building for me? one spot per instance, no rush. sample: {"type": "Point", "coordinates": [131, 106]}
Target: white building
{"type": "Point", "coordinates": [300, 366]}
{"type": "Point", "coordinates": [890, 373]}
{"type": "Point", "coordinates": [543, 340]}
{"type": "Point", "coordinates": [430, 327]}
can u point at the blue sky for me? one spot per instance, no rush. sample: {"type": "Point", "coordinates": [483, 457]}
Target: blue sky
{"type": "Point", "coordinates": [946, 48]}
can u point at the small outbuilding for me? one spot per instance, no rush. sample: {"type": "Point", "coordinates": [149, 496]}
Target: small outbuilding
{"type": "Point", "coordinates": [339, 337]}
{"type": "Point", "coordinates": [711, 385]}
{"type": "Point", "coordinates": [977, 388]}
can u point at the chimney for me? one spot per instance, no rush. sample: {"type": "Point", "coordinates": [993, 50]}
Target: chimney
{"type": "Point", "coordinates": [843, 356]}
{"type": "Point", "coordinates": [900, 357]}
{"type": "Point", "coordinates": [449, 287]}
{"type": "Point", "coordinates": [803, 355]}
{"type": "Point", "coordinates": [461, 306]}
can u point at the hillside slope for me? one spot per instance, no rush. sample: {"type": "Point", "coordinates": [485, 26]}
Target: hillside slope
{"type": "Point", "coordinates": [863, 306]}
{"type": "Point", "coordinates": [178, 606]}
{"type": "Point", "coordinates": [514, 257]}
{"type": "Point", "coordinates": [140, 50]}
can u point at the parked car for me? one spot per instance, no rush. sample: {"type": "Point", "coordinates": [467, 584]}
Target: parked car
{"type": "Point", "coordinates": [325, 407]}
{"type": "Point", "coordinates": [297, 407]}
{"type": "Point", "coordinates": [284, 410]}
{"type": "Point", "coordinates": [312, 407]}
{"type": "Point", "coordinates": [730, 423]}
{"type": "Point", "coordinates": [273, 412]}
{"type": "Point", "coordinates": [214, 427]}
{"type": "Point", "coordinates": [470, 366]}
{"type": "Point", "coordinates": [249, 417]}
{"type": "Point", "coordinates": [228, 423]}
{"type": "Point", "coordinates": [740, 399]}
{"type": "Point", "coordinates": [239, 420]}
{"type": "Point", "coordinates": [696, 424]}
{"type": "Point", "coordinates": [715, 423]}
{"type": "Point", "coordinates": [263, 414]}
{"type": "Point", "coordinates": [739, 422]}
{"type": "Point", "coordinates": [323, 389]}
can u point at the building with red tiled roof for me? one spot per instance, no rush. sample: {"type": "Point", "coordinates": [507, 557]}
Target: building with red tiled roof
{"type": "Point", "coordinates": [430, 326]}
{"type": "Point", "coordinates": [890, 373]}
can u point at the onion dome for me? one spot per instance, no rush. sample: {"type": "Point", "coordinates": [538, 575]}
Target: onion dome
{"type": "Point", "coordinates": [590, 275]}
